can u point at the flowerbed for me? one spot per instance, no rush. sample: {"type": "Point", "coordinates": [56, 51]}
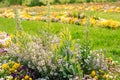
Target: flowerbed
{"type": "Point", "coordinates": [52, 57]}
{"type": "Point", "coordinates": [71, 14]}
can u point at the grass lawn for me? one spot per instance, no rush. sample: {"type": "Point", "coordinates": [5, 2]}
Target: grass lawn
{"type": "Point", "coordinates": [105, 15]}
{"type": "Point", "coordinates": [100, 38]}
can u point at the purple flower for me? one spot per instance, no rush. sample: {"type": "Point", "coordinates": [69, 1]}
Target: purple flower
{"type": "Point", "coordinates": [7, 34]}
{"type": "Point", "coordinates": [22, 68]}
{"type": "Point", "coordinates": [14, 75]}
{"type": "Point", "coordinates": [21, 77]}
{"type": "Point", "coordinates": [2, 50]}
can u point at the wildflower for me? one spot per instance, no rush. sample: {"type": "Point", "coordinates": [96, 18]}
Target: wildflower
{"type": "Point", "coordinates": [105, 76]}
{"type": "Point", "coordinates": [96, 77]}
{"type": "Point", "coordinates": [9, 77]}
{"type": "Point", "coordinates": [30, 79]}
{"type": "Point", "coordinates": [93, 73]}
{"type": "Point", "coordinates": [26, 77]}
{"type": "Point", "coordinates": [110, 59]}
{"type": "Point", "coordinates": [15, 79]}
{"type": "Point", "coordinates": [5, 66]}
{"type": "Point", "coordinates": [16, 65]}
{"type": "Point", "coordinates": [1, 78]}
{"type": "Point", "coordinates": [11, 36]}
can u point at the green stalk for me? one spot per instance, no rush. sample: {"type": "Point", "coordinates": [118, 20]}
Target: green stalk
{"type": "Point", "coordinates": [87, 34]}
{"type": "Point", "coordinates": [17, 20]}
{"type": "Point", "coordinates": [48, 14]}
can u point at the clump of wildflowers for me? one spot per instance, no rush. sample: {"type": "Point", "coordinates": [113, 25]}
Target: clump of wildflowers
{"type": "Point", "coordinates": [4, 41]}
{"type": "Point", "coordinates": [14, 70]}
{"type": "Point", "coordinates": [56, 59]}
{"type": "Point", "coordinates": [31, 52]}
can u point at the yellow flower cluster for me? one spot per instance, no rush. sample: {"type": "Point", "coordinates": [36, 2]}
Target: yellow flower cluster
{"type": "Point", "coordinates": [27, 78]}
{"type": "Point", "coordinates": [89, 7]}
{"type": "Point", "coordinates": [111, 24]}
{"type": "Point", "coordinates": [65, 16]}
{"type": "Point", "coordinates": [10, 67]}
{"type": "Point", "coordinates": [5, 66]}
{"type": "Point", "coordinates": [101, 75]}
{"type": "Point", "coordinates": [105, 23]}
{"type": "Point", "coordinates": [93, 74]}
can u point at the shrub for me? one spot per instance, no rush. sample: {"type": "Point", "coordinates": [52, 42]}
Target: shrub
{"type": "Point", "coordinates": [58, 62]}
{"type": "Point", "coordinates": [1, 0]}
{"type": "Point", "coordinates": [15, 2]}
{"type": "Point", "coordinates": [36, 3]}
{"type": "Point", "coordinates": [56, 1]}
{"type": "Point", "coordinates": [72, 1]}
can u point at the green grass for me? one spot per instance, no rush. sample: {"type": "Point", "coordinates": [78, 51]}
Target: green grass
{"type": "Point", "coordinates": [105, 15]}
{"type": "Point", "coordinates": [100, 38]}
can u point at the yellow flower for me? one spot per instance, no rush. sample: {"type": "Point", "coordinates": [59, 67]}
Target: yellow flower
{"type": "Point", "coordinates": [1, 32]}
{"type": "Point", "coordinates": [30, 79]}
{"type": "Point", "coordinates": [110, 58]}
{"type": "Point", "coordinates": [83, 21]}
{"type": "Point", "coordinates": [16, 65]}
{"type": "Point", "coordinates": [7, 43]}
{"type": "Point", "coordinates": [96, 77]}
{"type": "Point", "coordinates": [93, 73]}
{"type": "Point", "coordinates": [11, 70]}
{"type": "Point", "coordinates": [10, 78]}
{"type": "Point", "coordinates": [5, 66]}
{"type": "Point", "coordinates": [27, 15]}
{"type": "Point", "coordinates": [15, 79]}
{"type": "Point", "coordinates": [11, 36]}
{"type": "Point", "coordinates": [26, 77]}
{"type": "Point", "coordinates": [105, 76]}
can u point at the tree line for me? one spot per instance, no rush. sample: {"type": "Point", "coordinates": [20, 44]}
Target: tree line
{"type": "Point", "coordinates": [43, 2]}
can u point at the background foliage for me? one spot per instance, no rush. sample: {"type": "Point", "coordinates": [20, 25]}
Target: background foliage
{"type": "Point", "coordinates": [43, 2]}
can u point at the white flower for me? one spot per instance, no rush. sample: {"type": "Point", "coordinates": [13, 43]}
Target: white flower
{"type": "Point", "coordinates": [1, 78]}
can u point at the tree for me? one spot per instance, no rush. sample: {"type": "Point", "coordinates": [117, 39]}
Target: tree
{"type": "Point", "coordinates": [56, 1]}
{"type": "Point", "coordinates": [72, 1]}
{"type": "Point", "coordinates": [15, 2]}
{"type": "Point", "coordinates": [1, 0]}
{"type": "Point", "coordinates": [36, 3]}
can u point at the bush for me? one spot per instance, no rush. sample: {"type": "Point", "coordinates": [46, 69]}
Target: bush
{"type": "Point", "coordinates": [54, 58]}
{"type": "Point", "coordinates": [1, 0]}
{"type": "Point", "coordinates": [72, 1]}
{"type": "Point", "coordinates": [36, 3]}
{"type": "Point", "coordinates": [15, 2]}
{"type": "Point", "coordinates": [56, 1]}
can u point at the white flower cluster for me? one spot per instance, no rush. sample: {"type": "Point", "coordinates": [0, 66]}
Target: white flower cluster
{"type": "Point", "coordinates": [33, 52]}
{"type": "Point", "coordinates": [96, 61]}
{"type": "Point", "coordinates": [3, 37]}
{"type": "Point", "coordinates": [53, 57]}
{"type": "Point", "coordinates": [4, 41]}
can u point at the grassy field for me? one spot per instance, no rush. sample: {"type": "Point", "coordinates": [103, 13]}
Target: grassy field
{"type": "Point", "coordinates": [100, 38]}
